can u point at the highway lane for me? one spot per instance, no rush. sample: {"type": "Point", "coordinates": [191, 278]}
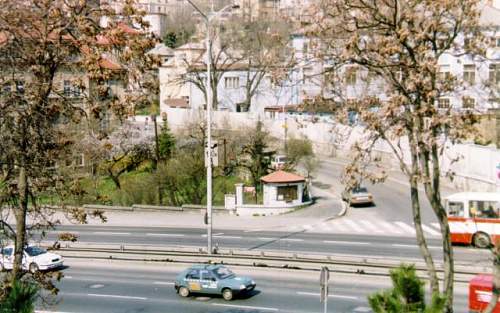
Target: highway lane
{"type": "Point", "coordinates": [111, 286]}
{"type": "Point", "coordinates": [300, 242]}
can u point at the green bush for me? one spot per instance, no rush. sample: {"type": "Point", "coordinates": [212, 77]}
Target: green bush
{"type": "Point", "coordinates": [19, 298]}
{"type": "Point", "coordinates": [406, 296]}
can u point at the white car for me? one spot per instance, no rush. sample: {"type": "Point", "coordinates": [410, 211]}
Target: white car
{"type": "Point", "coordinates": [34, 259]}
{"type": "Point", "coordinates": [279, 162]}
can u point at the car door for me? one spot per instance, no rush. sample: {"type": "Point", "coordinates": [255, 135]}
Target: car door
{"type": "Point", "coordinates": [208, 282]}
{"type": "Point", "coordinates": [193, 280]}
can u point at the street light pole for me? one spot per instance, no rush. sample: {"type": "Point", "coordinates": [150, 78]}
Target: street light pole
{"type": "Point", "coordinates": [208, 18]}
{"type": "Point", "coordinates": [209, 138]}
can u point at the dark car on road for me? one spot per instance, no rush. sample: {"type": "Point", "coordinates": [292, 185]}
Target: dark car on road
{"type": "Point", "coordinates": [212, 279]}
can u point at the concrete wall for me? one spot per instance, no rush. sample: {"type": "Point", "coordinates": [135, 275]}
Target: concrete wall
{"type": "Point", "coordinates": [476, 167]}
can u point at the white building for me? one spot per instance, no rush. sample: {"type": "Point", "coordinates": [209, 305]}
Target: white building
{"type": "Point", "coordinates": [156, 12]}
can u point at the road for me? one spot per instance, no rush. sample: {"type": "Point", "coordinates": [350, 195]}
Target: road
{"type": "Point", "coordinates": [121, 287]}
{"type": "Point", "coordinates": [392, 200]}
{"type": "Point", "coordinates": [315, 243]}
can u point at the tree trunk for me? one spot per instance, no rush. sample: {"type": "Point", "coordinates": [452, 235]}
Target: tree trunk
{"type": "Point", "coordinates": [20, 215]}
{"type": "Point", "coordinates": [432, 191]}
{"type": "Point", "coordinates": [422, 243]}
{"type": "Point", "coordinates": [415, 204]}
{"type": "Point", "coordinates": [496, 281]}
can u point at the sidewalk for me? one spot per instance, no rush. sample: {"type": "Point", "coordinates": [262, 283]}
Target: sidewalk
{"type": "Point", "coordinates": [196, 220]}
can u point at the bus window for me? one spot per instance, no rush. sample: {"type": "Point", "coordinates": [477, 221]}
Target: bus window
{"type": "Point", "coordinates": [484, 209]}
{"type": "Point", "coordinates": [456, 209]}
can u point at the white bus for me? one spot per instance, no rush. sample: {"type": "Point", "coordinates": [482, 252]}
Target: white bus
{"type": "Point", "coordinates": [474, 218]}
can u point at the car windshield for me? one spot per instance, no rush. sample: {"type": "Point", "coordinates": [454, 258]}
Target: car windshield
{"type": "Point", "coordinates": [360, 190]}
{"type": "Point", "coordinates": [34, 251]}
{"type": "Point", "coordinates": [223, 273]}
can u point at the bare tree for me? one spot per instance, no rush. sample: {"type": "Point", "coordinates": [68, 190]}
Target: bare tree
{"type": "Point", "coordinates": [399, 43]}
{"type": "Point", "coordinates": [41, 42]}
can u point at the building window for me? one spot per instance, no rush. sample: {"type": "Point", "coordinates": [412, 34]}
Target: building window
{"type": "Point", "coordinates": [444, 103]}
{"type": "Point", "coordinates": [20, 86]}
{"type": "Point", "coordinates": [78, 160]}
{"type": "Point", "coordinates": [231, 82]}
{"type": "Point", "coordinates": [444, 72]}
{"type": "Point", "coordinates": [470, 73]}
{"type": "Point", "coordinates": [494, 76]}
{"type": "Point", "coordinates": [468, 103]}
{"type": "Point", "coordinates": [351, 76]}
{"type": "Point", "coordinates": [67, 88]}
{"type": "Point", "coordinates": [287, 193]}
{"type": "Point", "coordinates": [6, 88]}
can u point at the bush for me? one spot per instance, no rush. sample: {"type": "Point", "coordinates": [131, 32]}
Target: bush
{"type": "Point", "coordinates": [406, 296]}
{"type": "Point", "coordinates": [19, 298]}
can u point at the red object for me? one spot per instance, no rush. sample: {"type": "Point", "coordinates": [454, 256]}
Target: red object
{"type": "Point", "coordinates": [480, 293]}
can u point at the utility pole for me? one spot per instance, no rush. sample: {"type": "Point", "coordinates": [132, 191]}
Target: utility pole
{"type": "Point", "coordinates": [157, 152]}
{"type": "Point", "coordinates": [208, 41]}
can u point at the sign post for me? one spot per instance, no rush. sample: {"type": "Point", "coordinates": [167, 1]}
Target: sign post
{"type": "Point", "coordinates": [323, 283]}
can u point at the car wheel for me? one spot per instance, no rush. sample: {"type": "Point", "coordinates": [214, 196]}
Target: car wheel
{"type": "Point", "coordinates": [183, 291]}
{"type": "Point", "coordinates": [227, 294]}
{"type": "Point", "coordinates": [481, 240]}
{"type": "Point", "coordinates": [33, 268]}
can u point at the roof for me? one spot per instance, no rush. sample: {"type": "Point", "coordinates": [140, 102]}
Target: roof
{"type": "Point", "coordinates": [192, 46]}
{"type": "Point", "coordinates": [280, 108]}
{"type": "Point", "coordinates": [161, 49]}
{"type": "Point", "coordinates": [282, 177]}
{"type": "Point", "coordinates": [464, 196]}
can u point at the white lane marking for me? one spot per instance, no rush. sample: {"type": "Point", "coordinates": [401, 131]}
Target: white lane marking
{"type": "Point", "coordinates": [307, 227]}
{"type": "Point", "coordinates": [355, 227]}
{"type": "Point", "coordinates": [370, 226]}
{"type": "Point", "coordinates": [303, 293]}
{"type": "Point", "coordinates": [246, 307]}
{"type": "Point", "coordinates": [430, 230]}
{"type": "Point", "coordinates": [68, 277]}
{"type": "Point", "coordinates": [109, 233]}
{"type": "Point", "coordinates": [41, 311]}
{"type": "Point", "coordinates": [116, 296]}
{"type": "Point", "coordinates": [413, 246]}
{"type": "Point", "coordinates": [163, 283]}
{"type": "Point", "coordinates": [216, 234]}
{"type": "Point", "coordinates": [406, 227]}
{"type": "Point", "coordinates": [362, 309]}
{"type": "Point", "coordinates": [389, 228]}
{"type": "Point", "coordinates": [266, 238]}
{"type": "Point", "coordinates": [228, 237]}
{"type": "Point", "coordinates": [165, 235]}
{"type": "Point", "coordinates": [346, 242]}
{"type": "Point", "coordinates": [292, 239]}
{"type": "Point", "coordinates": [436, 225]}
{"type": "Point", "coordinates": [339, 225]}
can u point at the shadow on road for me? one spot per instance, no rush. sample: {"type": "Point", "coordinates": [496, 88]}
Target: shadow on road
{"type": "Point", "coordinates": [277, 239]}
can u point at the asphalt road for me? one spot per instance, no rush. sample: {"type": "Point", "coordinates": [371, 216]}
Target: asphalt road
{"type": "Point", "coordinates": [345, 244]}
{"type": "Point", "coordinates": [122, 287]}
{"type": "Point", "coordinates": [392, 197]}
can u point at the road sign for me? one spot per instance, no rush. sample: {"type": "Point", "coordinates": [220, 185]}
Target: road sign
{"type": "Point", "coordinates": [214, 154]}
{"type": "Point", "coordinates": [323, 283]}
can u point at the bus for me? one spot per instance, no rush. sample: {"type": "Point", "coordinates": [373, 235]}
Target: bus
{"type": "Point", "coordinates": [474, 218]}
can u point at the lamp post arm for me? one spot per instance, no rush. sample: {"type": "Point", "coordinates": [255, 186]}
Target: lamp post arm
{"type": "Point", "coordinates": [198, 9]}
